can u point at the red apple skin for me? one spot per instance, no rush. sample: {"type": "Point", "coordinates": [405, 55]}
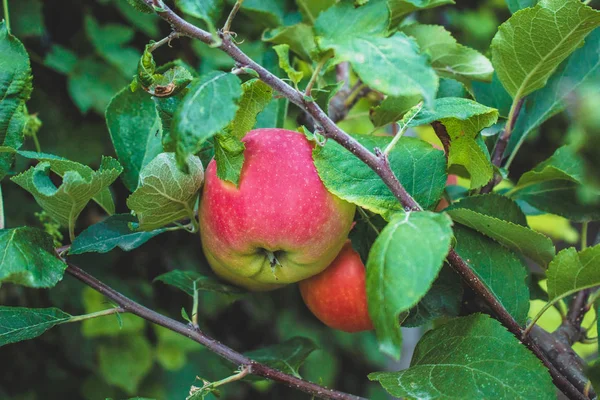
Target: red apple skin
{"type": "Point", "coordinates": [338, 295]}
{"type": "Point", "coordinates": [280, 206]}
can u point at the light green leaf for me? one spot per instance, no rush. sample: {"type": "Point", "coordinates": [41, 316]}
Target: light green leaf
{"type": "Point", "coordinates": [172, 348]}
{"type": "Point", "coordinates": [392, 109]}
{"type": "Point", "coordinates": [109, 41]}
{"type": "Point", "coordinates": [571, 271]}
{"type": "Point", "coordinates": [20, 323]}
{"type": "Point", "coordinates": [206, 110]}
{"type": "Point", "coordinates": [60, 59]}
{"type": "Point", "coordinates": [400, 8]}
{"type": "Point", "coordinates": [125, 324]}
{"type": "Point", "coordinates": [482, 358]}
{"type": "Point", "coordinates": [559, 26]}
{"type": "Point", "coordinates": [207, 10]}
{"type": "Point", "coordinates": [283, 52]}
{"type": "Point", "coordinates": [463, 119]}
{"type": "Point", "coordinates": [581, 67]}
{"type": "Point", "coordinates": [114, 231]}
{"type": "Point", "coordinates": [391, 65]}
{"type": "Point", "coordinates": [29, 258]}
{"type": "Point", "coordinates": [498, 268]}
{"type": "Point", "coordinates": [403, 264]}
{"type": "Point", "coordinates": [125, 361]}
{"type": "Point", "coordinates": [299, 37]}
{"type": "Point", "coordinates": [310, 9]}
{"type": "Point", "coordinates": [190, 281]}
{"type": "Point", "coordinates": [269, 13]}
{"type": "Point", "coordinates": [483, 214]}
{"type": "Point", "coordinates": [15, 89]}
{"type": "Point", "coordinates": [166, 194]}
{"type": "Point", "coordinates": [449, 58]}
{"type": "Point", "coordinates": [78, 187]}
{"type": "Point", "coordinates": [420, 168]}
{"type": "Point", "coordinates": [229, 156]}
{"type": "Point", "coordinates": [60, 166]}
{"type": "Point", "coordinates": [135, 131]}
{"type": "Point", "coordinates": [286, 357]}
{"type": "Point", "coordinates": [255, 97]}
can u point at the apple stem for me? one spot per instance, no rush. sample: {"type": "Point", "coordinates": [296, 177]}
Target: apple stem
{"type": "Point", "coordinates": [272, 258]}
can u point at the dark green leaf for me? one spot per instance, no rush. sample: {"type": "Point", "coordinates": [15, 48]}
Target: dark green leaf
{"type": "Point", "coordinates": [475, 357]}
{"type": "Point", "coordinates": [29, 258]}
{"type": "Point", "coordinates": [449, 58]}
{"type": "Point", "coordinates": [365, 231]}
{"type": "Point", "coordinates": [207, 10]}
{"type": "Point", "coordinates": [269, 13]}
{"type": "Point", "coordinates": [19, 323]}
{"type": "Point", "coordinates": [147, 23]}
{"type": "Point", "coordinates": [61, 59]}
{"type": "Point", "coordinates": [420, 168]}
{"type": "Point", "coordinates": [516, 5]}
{"type": "Point", "coordinates": [442, 300]}
{"type": "Point", "coordinates": [206, 110]}
{"type": "Point", "coordinates": [493, 95]}
{"type": "Point", "coordinates": [26, 18]}
{"type": "Point", "coordinates": [311, 9]}
{"type": "Point", "coordinates": [114, 231]}
{"type": "Point", "coordinates": [189, 281]}
{"type": "Point", "coordinates": [15, 89]}
{"type": "Point", "coordinates": [498, 268]}
{"type": "Point", "coordinates": [475, 213]}
{"type": "Point", "coordinates": [286, 357]}
{"type": "Point", "coordinates": [559, 26]}
{"type": "Point", "coordinates": [135, 130]}
{"type": "Point", "coordinates": [392, 109]}
{"type": "Point", "coordinates": [299, 37]}
{"type": "Point", "coordinates": [403, 263]}
{"type": "Point", "coordinates": [166, 194]}
{"type": "Point", "coordinates": [581, 67]}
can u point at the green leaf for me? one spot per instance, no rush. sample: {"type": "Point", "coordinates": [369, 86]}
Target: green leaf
{"type": "Point", "coordinates": [207, 10]}
{"type": "Point", "coordinates": [147, 23]}
{"type": "Point", "coordinates": [123, 324]}
{"type": "Point", "coordinates": [464, 119]}
{"type": "Point", "coordinates": [516, 5]}
{"type": "Point", "coordinates": [403, 264]}
{"type": "Point", "coordinates": [190, 281]}
{"type": "Point", "coordinates": [255, 97]}
{"type": "Point", "coordinates": [310, 9]}
{"type": "Point", "coordinates": [78, 187]}
{"type": "Point", "coordinates": [449, 58]}
{"type": "Point", "coordinates": [400, 8]}
{"type": "Point", "coordinates": [206, 110]}
{"type": "Point", "coordinates": [60, 166]}
{"type": "Point", "coordinates": [125, 361]}
{"type": "Point", "coordinates": [553, 184]}
{"type": "Point", "coordinates": [493, 95]}
{"type": "Point", "coordinates": [559, 26]}
{"type": "Point", "coordinates": [61, 59]}
{"type": "Point", "coordinates": [15, 89]}
{"type": "Point", "coordinates": [266, 12]}
{"type": "Point", "coordinates": [141, 6]}
{"type": "Point", "coordinates": [583, 66]}
{"type": "Point", "coordinates": [135, 131]}
{"type": "Point", "coordinates": [229, 156]}
{"type": "Point", "coordinates": [482, 358]}
{"type": "Point", "coordinates": [420, 168]}
{"type": "Point", "coordinates": [498, 268]}
{"type": "Point", "coordinates": [20, 323]}
{"type": "Point", "coordinates": [27, 19]}
{"type": "Point", "coordinates": [299, 37]}
{"type": "Point", "coordinates": [483, 213]}
{"type": "Point", "coordinates": [444, 299]}
{"type": "Point", "coordinates": [172, 348]}
{"type": "Point", "coordinates": [29, 258]}
{"type": "Point", "coordinates": [391, 65]}
{"type": "Point", "coordinates": [283, 53]}
{"type": "Point", "coordinates": [286, 357]}
{"type": "Point", "coordinates": [93, 84]}
{"type": "Point", "coordinates": [571, 272]}
{"type": "Point", "coordinates": [109, 41]}
{"type": "Point", "coordinates": [113, 232]}
{"type": "Point", "coordinates": [392, 109]}
{"type": "Point", "coordinates": [365, 232]}
{"type": "Point", "coordinates": [166, 194]}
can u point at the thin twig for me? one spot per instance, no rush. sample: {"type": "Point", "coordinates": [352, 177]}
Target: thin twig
{"type": "Point", "coordinates": [315, 76]}
{"type": "Point", "coordinates": [165, 40]}
{"type": "Point", "coordinates": [6, 15]}
{"type": "Point", "coordinates": [380, 165]}
{"type": "Point", "coordinates": [234, 10]}
{"type": "Point", "coordinates": [198, 336]}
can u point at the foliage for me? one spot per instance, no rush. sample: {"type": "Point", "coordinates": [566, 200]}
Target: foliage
{"type": "Point", "coordinates": [485, 91]}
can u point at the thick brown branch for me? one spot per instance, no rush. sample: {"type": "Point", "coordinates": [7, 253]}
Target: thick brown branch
{"type": "Point", "coordinates": [197, 335]}
{"type": "Point", "coordinates": [380, 165]}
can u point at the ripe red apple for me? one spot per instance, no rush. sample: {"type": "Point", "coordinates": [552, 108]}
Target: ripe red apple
{"type": "Point", "coordinates": [280, 225]}
{"type": "Point", "coordinates": [338, 295]}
